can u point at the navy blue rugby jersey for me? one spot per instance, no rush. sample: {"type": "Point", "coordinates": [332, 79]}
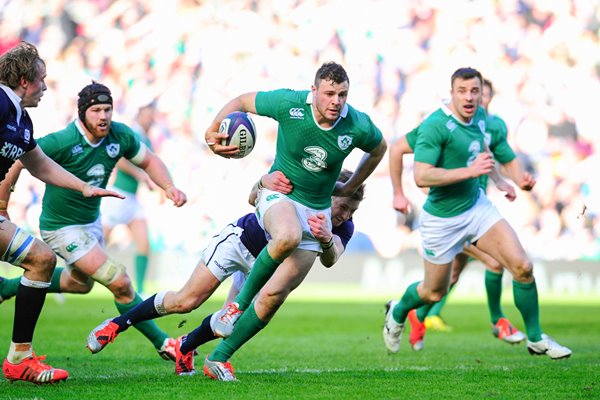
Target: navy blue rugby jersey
{"type": "Point", "coordinates": [16, 137]}
{"type": "Point", "coordinates": [253, 236]}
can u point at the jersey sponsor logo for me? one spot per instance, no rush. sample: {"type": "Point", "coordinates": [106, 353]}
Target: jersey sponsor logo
{"type": "Point", "coordinates": [344, 142]}
{"type": "Point", "coordinates": [474, 149]}
{"type": "Point", "coordinates": [112, 149]}
{"type": "Point", "coordinates": [316, 161]}
{"type": "Point", "coordinates": [11, 151]}
{"type": "Point", "coordinates": [27, 135]}
{"type": "Point", "coordinates": [97, 173]}
{"type": "Point", "coordinates": [76, 149]}
{"type": "Point", "coordinates": [11, 128]}
{"type": "Point", "coordinates": [296, 113]}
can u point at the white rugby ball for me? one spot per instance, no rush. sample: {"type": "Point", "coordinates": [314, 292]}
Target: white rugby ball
{"type": "Point", "coordinates": [241, 132]}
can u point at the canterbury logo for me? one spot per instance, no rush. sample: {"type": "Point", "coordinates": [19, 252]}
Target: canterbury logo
{"type": "Point", "coordinates": [296, 113]}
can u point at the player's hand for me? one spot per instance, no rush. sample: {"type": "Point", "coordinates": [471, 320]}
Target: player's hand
{"type": "Point", "coordinates": [401, 203]}
{"type": "Point", "coordinates": [527, 182]}
{"type": "Point", "coordinates": [483, 164]}
{"type": "Point", "coordinates": [93, 191]}
{"type": "Point", "coordinates": [213, 140]}
{"type": "Point", "coordinates": [176, 196]}
{"type": "Point", "coordinates": [278, 182]}
{"type": "Point", "coordinates": [507, 188]}
{"type": "Point", "coordinates": [319, 228]}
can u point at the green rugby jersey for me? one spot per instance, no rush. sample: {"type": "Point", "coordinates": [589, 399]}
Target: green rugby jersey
{"type": "Point", "coordinates": [496, 134]}
{"type": "Point", "coordinates": [125, 181]}
{"type": "Point", "coordinates": [446, 142]}
{"type": "Point", "coordinates": [310, 156]}
{"type": "Point", "coordinates": [90, 163]}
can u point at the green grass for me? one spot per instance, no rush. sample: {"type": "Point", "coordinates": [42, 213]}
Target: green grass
{"type": "Point", "coordinates": [318, 350]}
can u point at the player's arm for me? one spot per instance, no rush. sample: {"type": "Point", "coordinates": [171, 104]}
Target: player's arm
{"type": "Point", "coordinates": [518, 175]}
{"type": "Point", "coordinates": [331, 244]}
{"type": "Point", "coordinates": [396, 154]}
{"type": "Point", "coordinates": [246, 103]}
{"type": "Point", "coordinates": [139, 174]}
{"type": "Point", "coordinates": [502, 185]}
{"type": "Point", "coordinates": [428, 175]}
{"type": "Point", "coordinates": [365, 167]}
{"type": "Point", "coordinates": [276, 181]}
{"type": "Point", "coordinates": [159, 174]}
{"type": "Point", "coordinates": [47, 170]}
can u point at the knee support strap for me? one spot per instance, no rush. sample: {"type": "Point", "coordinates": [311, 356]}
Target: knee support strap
{"type": "Point", "coordinates": [108, 272]}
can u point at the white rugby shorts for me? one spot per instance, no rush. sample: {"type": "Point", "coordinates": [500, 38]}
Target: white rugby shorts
{"type": "Point", "coordinates": [267, 198]}
{"type": "Point", "coordinates": [75, 241]}
{"type": "Point", "coordinates": [226, 254]}
{"type": "Point", "coordinates": [444, 238]}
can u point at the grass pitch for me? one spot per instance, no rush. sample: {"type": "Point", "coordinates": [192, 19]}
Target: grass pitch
{"type": "Point", "coordinates": [318, 350]}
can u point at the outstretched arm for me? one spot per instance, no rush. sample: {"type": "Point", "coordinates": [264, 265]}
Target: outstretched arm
{"type": "Point", "coordinates": [518, 175]}
{"type": "Point", "coordinates": [331, 244]}
{"type": "Point", "coordinates": [428, 175]}
{"type": "Point", "coordinates": [159, 174]}
{"type": "Point", "coordinates": [366, 166]}
{"type": "Point", "coordinates": [396, 154]}
{"type": "Point", "coordinates": [276, 181]}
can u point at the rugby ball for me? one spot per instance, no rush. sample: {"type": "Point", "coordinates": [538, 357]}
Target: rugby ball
{"type": "Point", "coordinates": [240, 131]}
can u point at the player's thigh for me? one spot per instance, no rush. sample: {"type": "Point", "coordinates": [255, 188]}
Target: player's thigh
{"type": "Point", "coordinates": [281, 220]}
{"type": "Point", "coordinates": [91, 261]}
{"type": "Point", "coordinates": [502, 244]}
{"type": "Point", "coordinates": [291, 272]}
{"type": "Point", "coordinates": [487, 260]}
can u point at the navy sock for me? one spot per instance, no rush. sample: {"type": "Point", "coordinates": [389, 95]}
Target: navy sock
{"type": "Point", "coordinates": [198, 336]}
{"type": "Point", "coordinates": [28, 306]}
{"type": "Point", "coordinates": [144, 311]}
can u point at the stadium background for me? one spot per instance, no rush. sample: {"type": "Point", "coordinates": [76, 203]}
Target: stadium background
{"type": "Point", "coordinates": [193, 56]}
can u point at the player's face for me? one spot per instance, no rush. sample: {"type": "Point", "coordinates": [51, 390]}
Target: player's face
{"type": "Point", "coordinates": [329, 98]}
{"type": "Point", "coordinates": [98, 118]}
{"type": "Point", "coordinates": [486, 96]}
{"type": "Point", "coordinates": [466, 97]}
{"type": "Point", "coordinates": [35, 90]}
{"type": "Point", "coordinates": [342, 209]}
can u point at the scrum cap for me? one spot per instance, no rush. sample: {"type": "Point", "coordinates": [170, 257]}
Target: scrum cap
{"type": "Point", "coordinates": [94, 93]}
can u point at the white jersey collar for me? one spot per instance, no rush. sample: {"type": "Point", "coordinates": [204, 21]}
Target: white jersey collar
{"type": "Point", "coordinates": [449, 113]}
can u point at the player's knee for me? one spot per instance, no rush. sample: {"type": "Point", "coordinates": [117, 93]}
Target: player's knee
{"type": "Point", "coordinates": [523, 272]}
{"type": "Point", "coordinates": [285, 244]}
{"type": "Point", "coordinates": [112, 275]}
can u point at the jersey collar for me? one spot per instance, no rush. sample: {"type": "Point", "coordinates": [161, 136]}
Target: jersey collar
{"type": "Point", "coordinates": [16, 100]}
{"type": "Point", "coordinates": [449, 113]}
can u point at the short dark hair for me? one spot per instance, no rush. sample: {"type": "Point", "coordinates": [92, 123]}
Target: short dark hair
{"type": "Point", "coordinates": [331, 71]}
{"type": "Point", "coordinates": [344, 176]}
{"type": "Point", "coordinates": [466, 73]}
{"type": "Point", "coordinates": [488, 83]}
{"type": "Point", "coordinates": [22, 61]}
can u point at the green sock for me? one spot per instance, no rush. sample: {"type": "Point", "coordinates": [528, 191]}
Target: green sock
{"type": "Point", "coordinates": [55, 281]}
{"type": "Point", "coordinates": [141, 265]}
{"type": "Point", "coordinates": [8, 287]}
{"type": "Point", "coordinates": [493, 289]}
{"type": "Point", "coordinates": [245, 329]}
{"type": "Point", "coordinates": [148, 328]}
{"type": "Point", "coordinates": [526, 300]}
{"type": "Point", "coordinates": [409, 300]}
{"type": "Point", "coordinates": [424, 311]}
{"type": "Point", "coordinates": [263, 269]}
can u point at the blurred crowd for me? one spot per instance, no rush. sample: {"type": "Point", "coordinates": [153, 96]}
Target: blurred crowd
{"type": "Point", "coordinates": [192, 56]}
